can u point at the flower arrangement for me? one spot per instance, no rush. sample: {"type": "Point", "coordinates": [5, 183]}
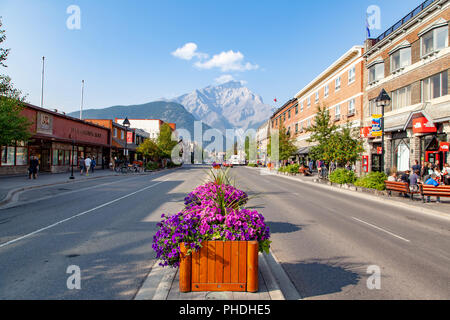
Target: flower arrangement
{"type": "Point", "coordinates": [216, 166]}
{"type": "Point", "coordinates": [213, 212]}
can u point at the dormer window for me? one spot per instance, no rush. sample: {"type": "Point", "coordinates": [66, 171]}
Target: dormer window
{"type": "Point", "coordinates": [400, 57]}
{"type": "Point", "coordinates": [434, 38]}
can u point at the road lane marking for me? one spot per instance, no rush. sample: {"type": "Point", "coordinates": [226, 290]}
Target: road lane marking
{"type": "Point", "coordinates": [381, 229]}
{"type": "Point", "coordinates": [79, 215]}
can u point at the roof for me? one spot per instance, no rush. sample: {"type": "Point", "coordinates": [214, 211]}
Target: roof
{"type": "Point", "coordinates": [284, 106]}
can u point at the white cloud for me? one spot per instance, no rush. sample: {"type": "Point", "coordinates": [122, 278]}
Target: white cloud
{"type": "Point", "coordinates": [227, 61]}
{"type": "Point", "coordinates": [224, 79]}
{"type": "Point", "coordinates": [188, 52]}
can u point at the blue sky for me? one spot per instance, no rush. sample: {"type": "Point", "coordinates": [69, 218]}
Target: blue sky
{"type": "Point", "coordinates": [126, 50]}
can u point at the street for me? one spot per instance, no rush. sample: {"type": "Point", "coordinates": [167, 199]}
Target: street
{"type": "Point", "coordinates": [325, 241]}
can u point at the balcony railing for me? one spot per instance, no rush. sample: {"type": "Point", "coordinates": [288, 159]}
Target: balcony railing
{"type": "Point", "coordinates": [405, 19]}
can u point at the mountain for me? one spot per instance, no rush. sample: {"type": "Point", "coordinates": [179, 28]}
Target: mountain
{"type": "Point", "coordinates": [170, 112]}
{"type": "Point", "coordinates": [227, 106]}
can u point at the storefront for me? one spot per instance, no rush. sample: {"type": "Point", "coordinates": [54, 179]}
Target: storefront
{"type": "Point", "coordinates": [58, 141]}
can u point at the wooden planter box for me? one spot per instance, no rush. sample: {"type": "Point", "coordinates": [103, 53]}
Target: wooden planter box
{"type": "Point", "coordinates": [220, 266]}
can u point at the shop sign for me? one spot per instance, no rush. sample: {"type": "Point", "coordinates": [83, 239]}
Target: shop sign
{"type": "Point", "coordinates": [376, 125]}
{"type": "Point", "coordinates": [44, 123]}
{"type": "Point", "coordinates": [444, 147]}
{"type": "Point", "coordinates": [379, 150]}
{"type": "Point", "coordinates": [365, 132]}
{"type": "Point", "coordinates": [422, 125]}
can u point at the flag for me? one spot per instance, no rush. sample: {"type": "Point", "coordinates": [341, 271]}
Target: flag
{"type": "Point", "coordinates": [275, 100]}
{"type": "Point", "coordinates": [367, 27]}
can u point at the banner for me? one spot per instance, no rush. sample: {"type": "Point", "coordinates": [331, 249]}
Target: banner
{"type": "Point", "coordinates": [365, 132]}
{"type": "Point", "coordinates": [376, 125]}
{"type": "Point", "coordinates": [130, 137]}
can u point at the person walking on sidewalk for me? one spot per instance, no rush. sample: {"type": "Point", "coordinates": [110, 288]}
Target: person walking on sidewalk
{"type": "Point", "coordinates": [81, 165]}
{"type": "Point", "coordinates": [34, 166]}
{"type": "Point", "coordinates": [87, 165]}
{"type": "Point", "coordinates": [93, 164]}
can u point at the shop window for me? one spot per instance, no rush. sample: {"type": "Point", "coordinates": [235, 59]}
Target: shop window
{"type": "Point", "coordinates": [67, 158]}
{"type": "Point", "coordinates": [8, 156]}
{"type": "Point", "coordinates": [21, 156]}
{"type": "Point", "coordinates": [401, 98]}
{"type": "Point", "coordinates": [400, 154]}
{"type": "Point", "coordinates": [435, 86]}
{"type": "Point", "coordinates": [60, 157]}
{"type": "Point", "coordinates": [55, 157]}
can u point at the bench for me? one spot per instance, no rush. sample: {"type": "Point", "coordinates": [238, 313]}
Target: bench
{"type": "Point", "coordinates": [432, 191]}
{"type": "Point", "coordinates": [402, 187]}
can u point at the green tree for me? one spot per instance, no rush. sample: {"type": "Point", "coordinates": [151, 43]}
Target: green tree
{"type": "Point", "coordinates": [165, 142]}
{"type": "Point", "coordinates": [321, 131]}
{"type": "Point", "coordinates": [150, 150]}
{"type": "Point", "coordinates": [343, 146]}
{"type": "Point", "coordinates": [286, 145]}
{"type": "Point", "coordinates": [13, 126]}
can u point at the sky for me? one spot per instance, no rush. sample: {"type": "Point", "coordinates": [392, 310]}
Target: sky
{"type": "Point", "coordinates": [133, 52]}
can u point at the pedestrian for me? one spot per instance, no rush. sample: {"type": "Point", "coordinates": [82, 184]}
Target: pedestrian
{"type": "Point", "coordinates": [93, 164]}
{"type": "Point", "coordinates": [433, 182]}
{"type": "Point", "coordinates": [416, 166]}
{"type": "Point", "coordinates": [34, 167]}
{"type": "Point", "coordinates": [311, 166]}
{"type": "Point", "coordinates": [81, 165]}
{"type": "Point", "coordinates": [423, 169]}
{"type": "Point", "coordinates": [332, 166]}
{"type": "Point", "coordinates": [446, 174]}
{"type": "Point", "coordinates": [87, 165]}
{"type": "Point", "coordinates": [414, 181]}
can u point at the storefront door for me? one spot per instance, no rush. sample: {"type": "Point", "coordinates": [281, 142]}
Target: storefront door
{"type": "Point", "coordinates": [45, 160]}
{"type": "Point", "coordinates": [376, 162]}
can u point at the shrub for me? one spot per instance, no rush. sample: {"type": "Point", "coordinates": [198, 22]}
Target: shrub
{"type": "Point", "coordinates": [252, 165]}
{"type": "Point", "coordinates": [342, 176]}
{"type": "Point", "coordinates": [293, 168]}
{"type": "Point", "coordinates": [151, 166]}
{"type": "Point", "coordinates": [374, 180]}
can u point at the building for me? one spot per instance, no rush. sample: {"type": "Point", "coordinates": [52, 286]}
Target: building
{"type": "Point", "coordinates": [411, 62]}
{"type": "Point", "coordinates": [262, 141]}
{"type": "Point", "coordinates": [151, 126]}
{"type": "Point", "coordinates": [58, 141]}
{"type": "Point", "coordinates": [339, 88]}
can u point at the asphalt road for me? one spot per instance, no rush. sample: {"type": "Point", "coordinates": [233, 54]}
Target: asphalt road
{"type": "Point", "coordinates": [326, 241]}
{"type": "Point", "coordinates": [105, 227]}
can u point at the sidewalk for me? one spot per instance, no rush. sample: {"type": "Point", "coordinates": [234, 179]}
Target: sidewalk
{"type": "Point", "coordinates": [273, 282]}
{"type": "Point", "coordinates": [10, 185]}
{"type": "Point", "coordinates": [432, 207]}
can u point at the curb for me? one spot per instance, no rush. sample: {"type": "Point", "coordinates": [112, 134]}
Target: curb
{"type": "Point", "coordinates": [159, 281]}
{"type": "Point", "coordinates": [398, 204]}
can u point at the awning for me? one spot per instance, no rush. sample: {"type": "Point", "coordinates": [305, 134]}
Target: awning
{"type": "Point", "coordinates": [121, 144]}
{"type": "Point", "coordinates": [304, 151]}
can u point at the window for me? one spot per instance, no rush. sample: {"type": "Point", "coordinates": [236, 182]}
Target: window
{"type": "Point", "coordinates": [376, 72]}
{"type": "Point", "coordinates": [317, 96]}
{"type": "Point", "coordinates": [435, 86]}
{"type": "Point", "coordinates": [434, 40]}
{"type": "Point", "coordinates": [301, 107]}
{"type": "Point", "coordinates": [289, 114]}
{"type": "Point", "coordinates": [337, 83]}
{"type": "Point", "coordinates": [122, 135]}
{"type": "Point", "coordinates": [351, 75]}
{"type": "Point", "coordinates": [67, 158]}
{"type": "Point", "coordinates": [373, 108]}
{"type": "Point", "coordinates": [308, 123]}
{"type": "Point", "coordinates": [326, 90]}
{"type": "Point", "coordinates": [338, 112]}
{"type": "Point", "coordinates": [284, 116]}
{"type": "Point", "coordinates": [8, 156]}
{"type": "Point", "coordinates": [351, 107]}
{"type": "Point", "coordinates": [21, 156]}
{"type": "Point", "coordinates": [400, 59]}
{"type": "Point", "coordinates": [296, 128]}
{"type": "Point", "coordinates": [60, 157]}
{"type": "Point", "coordinates": [301, 126]}
{"type": "Point", "coordinates": [400, 98]}
{"type": "Point", "coordinates": [296, 109]}
{"type": "Point", "coordinates": [308, 102]}
{"type": "Point", "coordinates": [115, 132]}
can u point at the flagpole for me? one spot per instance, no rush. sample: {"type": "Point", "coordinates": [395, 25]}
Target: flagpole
{"type": "Point", "coordinates": [42, 82]}
{"type": "Point", "coordinates": [82, 99]}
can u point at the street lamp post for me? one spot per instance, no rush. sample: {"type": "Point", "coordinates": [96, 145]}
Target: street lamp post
{"type": "Point", "coordinates": [126, 124]}
{"type": "Point", "coordinates": [383, 100]}
{"type": "Point", "coordinates": [72, 177]}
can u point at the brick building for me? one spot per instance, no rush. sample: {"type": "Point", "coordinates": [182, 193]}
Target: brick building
{"type": "Point", "coordinates": [410, 61]}
{"type": "Point", "coordinates": [57, 140]}
{"type": "Point", "coordinates": [339, 88]}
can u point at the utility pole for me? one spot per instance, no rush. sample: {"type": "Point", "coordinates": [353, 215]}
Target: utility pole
{"type": "Point", "coordinates": [42, 82]}
{"type": "Point", "coordinates": [82, 99]}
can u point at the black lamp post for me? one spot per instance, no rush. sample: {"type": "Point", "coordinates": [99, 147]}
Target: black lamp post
{"type": "Point", "coordinates": [126, 124]}
{"type": "Point", "coordinates": [383, 101]}
{"type": "Point", "coordinates": [72, 177]}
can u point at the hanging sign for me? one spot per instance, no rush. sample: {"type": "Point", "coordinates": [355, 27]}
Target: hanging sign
{"type": "Point", "coordinates": [365, 132]}
{"type": "Point", "coordinates": [129, 137]}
